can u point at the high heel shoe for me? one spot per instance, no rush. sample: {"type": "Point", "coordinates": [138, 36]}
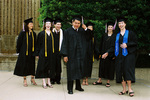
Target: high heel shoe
{"type": "Point", "coordinates": [25, 84]}
{"type": "Point", "coordinates": [33, 82]}
{"type": "Point", "coordinates": [131, 94]}
{"type": "Point", "coordinates": [49, 85]}
{"type": "Point", "coordinates": [44, 86]}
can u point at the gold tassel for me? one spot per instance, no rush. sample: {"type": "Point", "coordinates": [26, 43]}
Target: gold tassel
{"type": "Point", "coordinates": [93, 51]}
{"type": "Point", "coordinates": [27, 43]}
{"type": "Point", "coordinates": [32, 42]}
{"type": "Point", "coordinates": [46, 43]}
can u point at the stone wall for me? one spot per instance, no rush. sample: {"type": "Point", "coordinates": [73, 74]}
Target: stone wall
{"type": "Point", "coordinates": [8, 43]}
{"type": "Point", "coordinates": [0, 43]}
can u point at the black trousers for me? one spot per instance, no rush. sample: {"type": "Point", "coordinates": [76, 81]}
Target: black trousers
{"type": "Point", "coordinates": [70, 84]}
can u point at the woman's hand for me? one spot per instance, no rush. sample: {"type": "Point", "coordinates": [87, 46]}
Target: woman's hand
{"type": "Point", "coordinates": [113, 58]}
{"type": "Point", "coordinates": [123, 45]}
{"type": "Point", "coordinates": [37, 57]}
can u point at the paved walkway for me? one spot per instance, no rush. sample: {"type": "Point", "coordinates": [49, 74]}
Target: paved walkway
{"type": "Point", "coordinates": [11, 88]}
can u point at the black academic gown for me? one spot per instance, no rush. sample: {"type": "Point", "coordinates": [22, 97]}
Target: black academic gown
{"type": "Point", "coordinates": [57, 60]}
{"type": "Point", "coordinates": [107, 66]}
{"type": "Point", "coordinates": [73, 47]}
{"type": "Point", "coordinates": [90, 51]}
{"type": "Point", "coordinates": [25, 64]}
{"type": "Point", "coordinates": [125, 65]}
{"type": "Point", "coordinates": [45, 67]}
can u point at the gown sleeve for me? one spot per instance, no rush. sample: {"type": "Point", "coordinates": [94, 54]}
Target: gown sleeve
{"type": "Point", "coordinates": [100, 46]}
{"type": "Point", "coordinates": [112, 48]}
{"type": "Point", "coordinates": [38, 43]}
{"type": "Point", "coordinates": [34, 43]}
{"type": "Point", "coordinates": [96, 51]}
{"type": "Point", "coordinates": [19, 41]}
{"type": "Point", "coordinates": [132, 42]}
{"type": "Point", "coordinates": [64, 47]}
{"type": "Point", "coordinates": [88, 34]}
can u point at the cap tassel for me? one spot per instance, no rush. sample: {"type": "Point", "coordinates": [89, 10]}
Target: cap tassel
{"type": "Point", "coordinates": [106, 28]}
{"type": "Point", "coordinates": [23, 27]}
{"type": "Point", "coordinates": [82, 20]}
{"type": "Point", "coordinates": [53, 23]}
{"type": "Point", "coordinates": [115, 25]}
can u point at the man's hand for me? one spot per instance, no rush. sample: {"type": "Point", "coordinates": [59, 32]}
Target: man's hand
{"type": "Point", "coordinates": [84, 26]}
{"type": "Point", "coordinates": [65, 59]}
{"type": "Point", "coordinates": [104, 55]}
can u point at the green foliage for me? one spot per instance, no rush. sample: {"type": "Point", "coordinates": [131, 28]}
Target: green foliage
{"type": "Point", "coordinates": [100, 12]}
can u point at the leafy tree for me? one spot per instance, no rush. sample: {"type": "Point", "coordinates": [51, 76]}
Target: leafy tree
{"type": "Point", "coordinates": [102, 11]}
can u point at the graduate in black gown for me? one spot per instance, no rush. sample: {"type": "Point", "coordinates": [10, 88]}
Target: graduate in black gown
{"type": "Point", "coordinates": [72, 50]}
{"type": "Point", "coordinates": [45, 53]}
{"type": "Point", "coordinates": [58, 38]}
{"type": "Point", "coordinates": [125, 48]}
{"type": "Point", "coordinates": [107, 66]}
{"type": "Point", "coordinates": [90, 50]}
{"type": "Point", "coordinates": [26, 42]}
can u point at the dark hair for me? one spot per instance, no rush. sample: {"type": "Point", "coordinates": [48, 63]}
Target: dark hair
{"type": "Point", "coordinates": [44, 27]}
{"type": "Point", "coordinates": [76, 19]}
{"type": "Point", "coordinates": [27, 28]}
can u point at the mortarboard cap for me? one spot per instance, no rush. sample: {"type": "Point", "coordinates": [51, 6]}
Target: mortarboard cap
{"type": "Point", "coordinates": [110, 23]}
{"type": "Point", "coordinates": [90, 24]}
{"type": "Point", "coordinates": [47, 19]}
{"type": "Point", "coordinates": [27, 21]}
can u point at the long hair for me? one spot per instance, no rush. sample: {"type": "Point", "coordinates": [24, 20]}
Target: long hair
{"type": "Point", "coordinates": [27, 28]}
{"type": "Point", "coordinates": [44, 27]}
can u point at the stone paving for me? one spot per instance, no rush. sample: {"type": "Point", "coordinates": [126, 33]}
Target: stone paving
{"type": "Point", "coordinates": [11, 88]}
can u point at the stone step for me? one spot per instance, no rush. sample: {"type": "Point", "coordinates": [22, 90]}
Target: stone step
{"type": "Point", "coordinates": [8, 62]}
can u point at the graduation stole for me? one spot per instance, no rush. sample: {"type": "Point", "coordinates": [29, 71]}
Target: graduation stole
{"type": "Point", "coordinates": [125, 40]}
{"type": "Point", "coordinates": [28, 42]}
{"type": "Point", "coordinates": [93, 51]}
{"type": "Point", "coordinates": [46, 43]}
{"type": "Point", "coordinates": [60, 37]}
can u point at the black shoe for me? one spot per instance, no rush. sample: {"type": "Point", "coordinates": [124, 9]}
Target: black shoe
{"type": "Point", "coordinates": [70, 92]}
{"type": "Point", "coordinates": [58, 82]}
{"type": "Point", "coordinates": [80, 89]}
